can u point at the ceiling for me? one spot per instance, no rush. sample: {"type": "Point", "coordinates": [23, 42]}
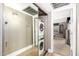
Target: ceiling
{"type": "Point", "coordinates": [57, 5]}
{"type": "Point", "coordinates": [40, 11]}
{"type": "Point", "coordinates": [46, 7]}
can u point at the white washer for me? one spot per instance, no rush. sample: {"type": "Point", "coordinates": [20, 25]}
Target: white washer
{"type": "Point", "coordinates": [41, 47]}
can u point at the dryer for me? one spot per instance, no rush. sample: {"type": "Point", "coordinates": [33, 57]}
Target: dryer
{"type": "Point", "coordinates": [41, 28]}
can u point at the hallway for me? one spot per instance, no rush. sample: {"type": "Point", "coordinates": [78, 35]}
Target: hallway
{"type": "Point", "coordinates": [62, 52]}
{"type": "Point", "coordinates": [60, 47]}
{"type": "Point", "coordinates": [59, 42]}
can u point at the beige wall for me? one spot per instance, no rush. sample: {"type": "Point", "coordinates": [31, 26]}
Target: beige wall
{"type": "Point", "coordinates": [1, 7]}
{"type": "Point", "coordinates": [78, 29]}
{"type": "Point", "coordinates": [18, 31]}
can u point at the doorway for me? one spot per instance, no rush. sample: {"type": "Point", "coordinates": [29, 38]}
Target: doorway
{"type": "Point", "coordinates": [62, 29]}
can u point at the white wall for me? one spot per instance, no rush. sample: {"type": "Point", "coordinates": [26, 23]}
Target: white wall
{"type": "Point", "coordinates": [61, 16]}
{"type": "Point", "coordinates": [35, 30]}
{"type": "Point", "coordinates": [78, 29]}
{"type": "Point", "coordinates": [21, 6]}
{"type": "Point", "coordinates": [1, 6]}
{"type": "Point", "coordinates": [60, 20]}
{"type": "Point", "coordinates": [50, 31]}
{"type": "Point", "coordinates": [73, 29]}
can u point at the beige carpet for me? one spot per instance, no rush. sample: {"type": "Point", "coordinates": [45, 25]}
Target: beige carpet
{"type": "Point", "coordinates": [59, 43]}
{"type": "Point", "coordinates": [61, 52]}
{"type": "Point", "coordinates": [60, 47]}
{"type": "Point", "coordinates": [65, 51]}
{"type": "Point", "coordinates": [31, 52]}
{"type": "Point", "coordinates": [52, 54]}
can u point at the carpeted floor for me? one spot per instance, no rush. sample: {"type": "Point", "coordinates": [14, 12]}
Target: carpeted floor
{"type": "Point", "coordinates": [61, 52]}
{"type": "Point", "coordinates": [31, 52]}
{"type": "Point", "coordinates": [60, 47]}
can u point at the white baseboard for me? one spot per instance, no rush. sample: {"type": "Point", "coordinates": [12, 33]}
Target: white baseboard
{"type": "Point", "coordinates": [50, 50]}
{"type": "Point", "coordinates": [20, 51]}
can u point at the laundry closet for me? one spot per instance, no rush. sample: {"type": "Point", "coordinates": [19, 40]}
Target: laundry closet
{"type": "Point", "coordinates": [18, 29]}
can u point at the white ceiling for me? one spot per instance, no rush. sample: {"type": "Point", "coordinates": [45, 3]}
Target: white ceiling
{"type": "Point", "coordinates": [46, 7]}
{"type": "Point", "coordinates": [61, 16]}
{"type": "Point", "coordinates": [20, 6]}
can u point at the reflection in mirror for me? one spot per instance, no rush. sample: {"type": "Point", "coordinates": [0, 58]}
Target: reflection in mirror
{"type": "Point", "coordinates": [62, 28]}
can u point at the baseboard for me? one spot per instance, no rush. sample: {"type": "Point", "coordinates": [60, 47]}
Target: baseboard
{"type": "Point", "coordinates": [50, 51]}
{"type": "Point", "coordinates": [15, 53]}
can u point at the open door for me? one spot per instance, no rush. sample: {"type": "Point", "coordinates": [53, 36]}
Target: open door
{"type": "Point", "coordinates": [62, 31]}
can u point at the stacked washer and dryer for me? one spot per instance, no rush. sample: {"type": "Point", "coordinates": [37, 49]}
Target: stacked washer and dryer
{"type": "Point", "coordinates": [41, 38]}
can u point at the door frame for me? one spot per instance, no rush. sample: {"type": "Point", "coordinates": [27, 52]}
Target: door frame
{"type": "Point", "coordinates": [73, 7]}
{"type": "Point", "coordinates": [1, 27]}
